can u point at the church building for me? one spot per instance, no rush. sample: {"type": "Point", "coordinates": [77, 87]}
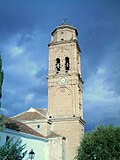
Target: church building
{"type": "Point", "coordinates": [64, 116]}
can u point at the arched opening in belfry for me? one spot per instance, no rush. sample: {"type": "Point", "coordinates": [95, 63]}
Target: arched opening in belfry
{"type": "Point", "coordinates": [58, 64]}
{"type": "Point", "coordinates": [67, 63]}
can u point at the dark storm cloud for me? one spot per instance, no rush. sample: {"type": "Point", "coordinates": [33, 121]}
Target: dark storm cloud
{"type": "Point", "coordinates": [20, 15]}
{"type": "Point", "coordinates": [113, 72]}
{"type": "Point", "coordinates": [25, 28]}
{"type": "Point", "coordinates": [102, 30]}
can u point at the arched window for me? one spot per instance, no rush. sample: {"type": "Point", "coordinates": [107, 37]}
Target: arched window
{"type": "Point", "coordinates": [67, 63]}
{"type": "Point", "coordinates": [58, 64]}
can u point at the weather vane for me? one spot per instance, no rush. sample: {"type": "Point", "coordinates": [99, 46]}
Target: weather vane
{"type": "Point", "coordinates": [64, 21]}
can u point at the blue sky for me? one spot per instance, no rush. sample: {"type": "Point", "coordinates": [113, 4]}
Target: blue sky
{"type": "Point", "coordinates": [25, 31]}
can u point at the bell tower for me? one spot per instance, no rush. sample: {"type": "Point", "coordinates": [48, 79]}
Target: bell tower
{"type": "Point", "coordinates": [64, 76]}
{"type": "Point", "coordinates": [65, 87]}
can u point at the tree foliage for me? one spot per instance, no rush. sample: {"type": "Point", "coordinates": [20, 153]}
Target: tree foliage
{"type": "Point", "coordinates": [100, 144]}
{"type": "Point", "coordinates": [1, 76]}
{"type": "Point", "coordinates": [1, 123]}
{"type": "Point", "coordinates": [12, 150]}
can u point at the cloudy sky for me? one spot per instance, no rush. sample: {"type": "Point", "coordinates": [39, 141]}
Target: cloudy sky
{"type": "Point", "coordinates": [25, 31]}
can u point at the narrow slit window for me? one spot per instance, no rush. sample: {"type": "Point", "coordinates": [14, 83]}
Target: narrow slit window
{"type": "Point", "coordinates": [67, 63]}
{"type": "Point", "coordinates": [58, 64]}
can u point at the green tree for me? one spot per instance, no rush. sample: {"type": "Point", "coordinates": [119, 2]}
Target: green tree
{"type": "Point", "coordinates": [100, 144]}
{"type": "Point", "coordinates": [12, 151]}
{"type": "Point", "coordinates": [1, 123]}
{"type": "Point", "coordinates": [1, 76]}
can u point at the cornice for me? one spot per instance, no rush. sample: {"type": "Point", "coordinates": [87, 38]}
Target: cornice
{"type": "Point", "coordinates": [64, 26]}
{"type": "Point", "coordinates": [59, 119]}
{"type": "Point", "coordinates": [65, 42]}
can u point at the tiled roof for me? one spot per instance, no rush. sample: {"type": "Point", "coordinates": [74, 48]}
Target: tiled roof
{"type": "Point", "coordinates": [36, 115]}
{"type": "Point", "coordinates": [42, 110]}
{"type": "Point", "coordinates": [19, 126]}
{"type": "Point", "coordinates": [53, 135]}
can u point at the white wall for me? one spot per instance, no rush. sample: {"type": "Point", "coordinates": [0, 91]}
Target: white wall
{"type": "Point", "coordinates": [39, 145]}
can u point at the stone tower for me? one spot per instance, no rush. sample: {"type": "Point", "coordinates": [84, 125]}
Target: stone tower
{"type": "Point", "coordinates": [65, 87]}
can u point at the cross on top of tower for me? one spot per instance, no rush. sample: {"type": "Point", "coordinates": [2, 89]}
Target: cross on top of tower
{"type": "Point", "coordinates": [64, 21]}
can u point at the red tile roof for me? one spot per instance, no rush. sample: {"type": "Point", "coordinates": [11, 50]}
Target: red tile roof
{"type": "Point", "coordinates": [37, 114]}
{"type": "Point", "coordinates": [53, 135]}
{"type": "Point", "coordinates": [28, 116]}
{"type": "Point", "coordinates": [19, 126]}
{"type": "Point", "coordinates": [43, 111]}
